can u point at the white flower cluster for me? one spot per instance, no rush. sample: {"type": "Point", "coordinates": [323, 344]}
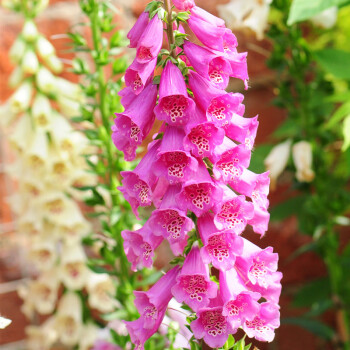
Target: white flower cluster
{"type": "Point", "coordinates": [49, 165]}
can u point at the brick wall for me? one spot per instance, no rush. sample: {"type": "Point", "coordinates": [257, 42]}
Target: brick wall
{"type": "Point", "coordinates": [57, 19]}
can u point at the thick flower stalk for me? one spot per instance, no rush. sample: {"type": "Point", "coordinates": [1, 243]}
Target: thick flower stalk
{"type": "Point", "coordinates": [49, 166]}
{"type": "Point", "coordinates": [195, 173]}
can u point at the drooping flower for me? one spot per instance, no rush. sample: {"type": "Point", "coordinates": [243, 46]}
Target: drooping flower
{"type": "Point", "coordinates": [132, 126]}
{"type": "Point", "coordinates": [175, 106]}
{"type": "Point", "coordinates": [171, 222]}
{"type": "Point", "coordinates": [137, 30]}
{"type": "Point", "coordinates": [302, 157]}
{"type": "Point", "coordinates": [193, 285]}
{"type": "Point", "coordinates": [239, 303]}
{"type": "Point", "coordinates": [220, 247]}
{"type": "Point", "coordinates": [184, 5]}
{"type": "Point", "coordinates": [139, 246]}
{"type": "Point", "coordinates": [263, 326]}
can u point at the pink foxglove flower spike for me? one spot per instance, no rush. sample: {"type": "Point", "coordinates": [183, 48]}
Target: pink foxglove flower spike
{"type": "Point", "coordinates": [196, 175]}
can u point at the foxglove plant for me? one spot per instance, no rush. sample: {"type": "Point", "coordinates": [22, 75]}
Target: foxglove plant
{"type": "Point", "coordinates": [195, 174]}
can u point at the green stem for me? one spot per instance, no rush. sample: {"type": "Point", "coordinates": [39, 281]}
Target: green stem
{"type": "Point", "coordinates": [169, 28]}
{"type": "Point", "coordinates": [105, 115]}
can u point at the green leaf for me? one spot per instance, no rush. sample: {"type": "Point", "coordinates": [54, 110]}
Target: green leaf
{"type": "Point", "coordinates": [257, 161]}
{"type": "Point", "coordinates": [338, 115]}
{"type": "Point", "coordinates": [182, 16]}
{"type": "Point", "coordinates": [289, 207]}
{"type": "Point", "coordinates": [156, 80]}
{"type": "Point", "coordinates": [334, 61]}
{"type": "Point", "coordinates": [151, 279]}
{"type": "Point", "coordinates": [304, 9]}
{"type": "Point", "coordinates": [346, 133]}
{"type": "Point", "coordinates": [313, 326]}
{"type": "Point", "coordinates": [289, 128]}
{"type": "Point", "coordinates": [120, 65]}
{"type": "Point", "coordinates": [230, 341]}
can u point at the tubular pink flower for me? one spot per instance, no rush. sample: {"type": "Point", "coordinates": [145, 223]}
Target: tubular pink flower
{"type": "Point", "coordinates": [139, 74]}
{"type": "Point", "coordinates": [233, 213]}
{"type": "Point", "coordinates": [202, 136]}
{"type": "Point", "coordinates": [220, 106]}
{"type": "Point", "coordinates": [260, 220]}
{"type": "Point", "coordinates": [174, 163]}
{"type": "Point", "coordinates": [152, 304]}
{"type": "Point", "coordinates": [184, 5]}
{"type": "Point", "coordinates": [175, 106]}
{"type": "Point", "coordinates": [207, 33]}
{"type": "Point", "coordinates": [229, 161]}
{"type": "Point", "coordinates": [139, 183]}
{"type": "Point", "coordinates": [136, 31]}
{"type": "Point", "coordinates": [257, 265]}
{"type": "Point", "coordinates": [151, 41]}
{"type": "Point", "coordinates": [193, 285]}
{"type": "Point", "coordinates": [200, 193]}
{"type": "Point", "coordinates": [220, 247]}
{"type": "Point", "coordinates": [240, 304]}
{"type": "Point", "coordinates": [211, 65]}
{"type": "Point", "coordinates": [212, 326]}
{"type": "Point", "coordinates": [132, 126]}
{"type": "Point", "coordinates": [207, 17]}
{"type": "Point", "coordinates": [263, 326]}
{"type": "Point", "coordinates": [171, 222]}
{"type": "Point", "coordinates": [139, 247]}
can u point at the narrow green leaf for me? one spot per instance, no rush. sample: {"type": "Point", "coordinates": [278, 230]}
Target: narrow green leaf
{"type": "Point", "coordinates": [346, 133]}
{"type": "Point", "coordinates": [334, 61]}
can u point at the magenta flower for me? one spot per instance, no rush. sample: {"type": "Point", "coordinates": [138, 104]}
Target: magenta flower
{"type": "Point", "coordinates": [184, 5]}
{"type": "Point", "coordinates": [240, 304]}
{"type": "Point", "coordinates": [233, 213]}
{"type": "Point", "coordinates": [200, 193]}
{"type": "Point", "coordinates": [210, 64]}
{"type": "Point", "coordinates": [136, 31]}
{"type": "Point", "coordinates": [132, 126]}
{"type": "Point", "coordinates": [260, 220]}
{"type": "Point", "coordinates": [220, 106]}
{"type": "Point", "coordinates": [202, 136]}
{"type": "Point", "coordinates": [151, 41]}
{"type": "Point", "coordinates": [229, 161]}
{"type": "Point", "coordinates": [139, 183]}
{"type": "Point", "coordinates": [139, 247]}
{"type": "Point", "coordinates": [212, 326]}
{"type": "Point", "coordinates": [139, 74]}
{"type": "Point", "coordinates": [175, 106]}
{"type": "Point", "coordinates": [174, 163]}
{"type": "Point", "coordinates": [152, 304]}
{"type": "Point", "coordinates": [257, 265]}
{"type": "Point", "coordinates": [193, 285]}
{"type": "Point", "coordinates": [263, 326]}
{"type": "Point", "coordinates": [220, 247]}
{"type": "Point", "coordinates": [207, 32]}
{"type": "Point", "coordinates": [105, 345]}
{"type": "Point", "coordinates": [170, 222]}
{"type": "Point", "coordinates": [207, 17]}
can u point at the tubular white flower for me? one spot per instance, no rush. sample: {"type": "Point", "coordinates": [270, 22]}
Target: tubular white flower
{"type": "Point", "coordinates": [4, 322]}
{"type": "Point", "coordinates": [22, 134]}
{"type": "Point", "coordinates": [30, 31]}
{"type": "Point", "coordinates": [41, 337]}
{"type": "Point", "coordinates": [6, 115]}
{"type": "Point", "coordinates": [73, 270]}
{"type": "Point", "coordinates": [20, 100]}
{"type": "Point", "coordinates": [69, 90]}
{"type": "Point", "coordinates": [30, 63]}
{"type": "Point", "coordinates": [16, 77]}
{"type": "Point", "coordinates": [277, 160]}
{"type": "Point", "coordinates": [302, 157]}
{"type": "Point", "coordinates": [251, 14]}
{"type": "Point", "coordinates": [101, 291]}
{"type": "Point", "coordinates": [36, 157]}
{"type": "Point", "coordinates": [17, 50]}
{"type": "Point", "coordinates": [54, 63]}
{"type": "Point", "coordinates": [46, 81]}
{"type": "Point", "coordinates": [44, 48]}
{"type": "Point", "coordinates": [88, 336]}
{"type": "Point", "coordinates": [68, 107]}
{"type": "Point", "coordinates": [72, 233]}
{"type": "Point", "coordinates": [41, 110]}
{"type": "Point", "coordinates": [327, 18]}
{"type": "Point", "coordinates": [68, 322]}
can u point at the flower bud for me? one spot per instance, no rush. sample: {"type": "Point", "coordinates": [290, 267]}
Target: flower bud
{"type": "Point", "coordinates": [41, 110]}
{"type": "Point", "coordinates": [68, 107]}
{"type": "Point", "coordinates": [44, 47]}
{"type": "Point", "coordinates": [54, 63]}
{"type": "Point", "coordinates": [17, 50]}
{"type": "Point", "coordinates": [30, 63]}
{"type": "Point", "coordinates": [276, 161]}
{"type": "Point", "coordinates": [30, 31]}
{"type": "Point", "coordinates": [46, 81]}
{"type": "Point", "coordinates": [20, 100]}
{"type": "Point", "coordinates": [302, 156]}
{"type": "Point", "coordinates": [16, 77]}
